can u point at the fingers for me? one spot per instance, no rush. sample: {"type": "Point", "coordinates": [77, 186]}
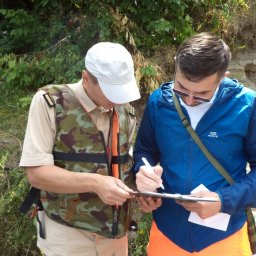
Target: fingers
{"type": "Point", "coordinates": [124, 188]}
{"type": "Point", "coordinates": [148, 204]}
{"type": "Point", "coordinates": [203, 209]}
{"type": "Point", "coordinates": [206, 194]}
{"type": "Point", "coordinates": [158, 170]}
{"type": "Point", "coordinates": [154, 173]}
{"type": "Point", "coordinates": [113, 191]}
{"type": "Point", "coordinates": [149, 179]}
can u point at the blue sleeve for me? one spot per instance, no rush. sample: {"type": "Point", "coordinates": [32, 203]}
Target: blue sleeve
{"type": "Point", "coordinates": [145, 144]}
{"type": "Point", "coordinates": [242, 194]}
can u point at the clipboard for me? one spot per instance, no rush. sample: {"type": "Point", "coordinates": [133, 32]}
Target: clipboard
{"type": "Point", "coordinates": [175, 196]}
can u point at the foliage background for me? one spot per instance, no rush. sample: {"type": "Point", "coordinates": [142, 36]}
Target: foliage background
{"type": "Point", "coordinates": [43, 42]}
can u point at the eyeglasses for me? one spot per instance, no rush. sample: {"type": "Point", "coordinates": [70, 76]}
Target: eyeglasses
{"type": "Point", "coordinates": [185, 94]}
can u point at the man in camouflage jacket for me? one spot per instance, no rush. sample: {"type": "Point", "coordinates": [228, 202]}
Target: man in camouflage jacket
{"type": "Point", "coordinates": [67, 156]}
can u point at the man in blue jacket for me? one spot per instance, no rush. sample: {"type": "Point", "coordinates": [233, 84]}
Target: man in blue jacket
{"type": "Point", "coordinates": [223, 114]}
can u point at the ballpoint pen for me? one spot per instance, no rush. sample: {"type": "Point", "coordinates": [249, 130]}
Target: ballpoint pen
{"type": "Point", "coordinates": [145, 161]}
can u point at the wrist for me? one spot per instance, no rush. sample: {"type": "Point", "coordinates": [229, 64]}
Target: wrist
{"type": "Point", "coordinates": [94, 182]}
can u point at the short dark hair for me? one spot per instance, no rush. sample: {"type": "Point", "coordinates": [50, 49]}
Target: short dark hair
{"type": "Point", "coordinates": [202, 55]}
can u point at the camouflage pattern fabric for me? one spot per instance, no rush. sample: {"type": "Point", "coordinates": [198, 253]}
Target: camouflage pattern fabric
{"type": "Point", "coordinates": [77, 135]}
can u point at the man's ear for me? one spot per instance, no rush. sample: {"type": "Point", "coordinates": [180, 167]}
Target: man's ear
{"type": "Point", "coordinates": [85, 76]}
{"type": "Point", "coordinates": [227, 74]}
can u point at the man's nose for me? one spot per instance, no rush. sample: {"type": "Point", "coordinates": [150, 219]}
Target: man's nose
{"type": "Point", "coordinates": [189, 100]}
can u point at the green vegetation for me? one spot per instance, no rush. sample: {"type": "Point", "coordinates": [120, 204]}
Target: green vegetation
{"type": "Point", "coordinates": [43, 42]}
{"type": "Point", "coordinates": [138, 241]}
{"type": "Point", "coordinates": [17, 236]}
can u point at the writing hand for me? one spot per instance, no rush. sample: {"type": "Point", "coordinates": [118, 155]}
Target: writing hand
{"type": "Point", "coordinates": [148, 180]}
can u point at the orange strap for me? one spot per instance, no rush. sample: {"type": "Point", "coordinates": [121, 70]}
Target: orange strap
{"type": "Point", "coordinates": [115, 131]}
{"type": "Point", "coordinates": [234, 245]}
{"type": "Point", "coordinates": [115, 169]}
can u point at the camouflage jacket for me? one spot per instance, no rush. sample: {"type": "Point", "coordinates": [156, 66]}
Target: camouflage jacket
{"type": "Point", "coordinates": [80, 147]}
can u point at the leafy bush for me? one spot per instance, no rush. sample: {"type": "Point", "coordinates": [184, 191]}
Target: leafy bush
{"type": "Point", "coordinates": [22, 31]}
{"type": "Point", "coordinates": [44, 41]}
{"type": "Point", "coordinates": [58, 64]}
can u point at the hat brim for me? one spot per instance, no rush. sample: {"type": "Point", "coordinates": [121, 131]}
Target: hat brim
{"type": "Point", "coordinates": [120, 93]}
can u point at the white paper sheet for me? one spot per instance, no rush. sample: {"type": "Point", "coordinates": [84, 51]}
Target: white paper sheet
{"type": "Point", "coordinates": [219, 221]}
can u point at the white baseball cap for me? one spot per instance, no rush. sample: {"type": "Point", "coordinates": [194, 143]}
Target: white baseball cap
{"type": "Point", "coordinates": [112, 65]}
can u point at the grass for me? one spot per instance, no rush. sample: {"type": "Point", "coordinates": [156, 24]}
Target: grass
{"type": "Point", "coordinates": [17, 236]}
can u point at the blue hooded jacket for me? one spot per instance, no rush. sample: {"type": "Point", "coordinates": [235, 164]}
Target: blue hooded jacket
{"type": "Point", "coordinates": [228, 130]}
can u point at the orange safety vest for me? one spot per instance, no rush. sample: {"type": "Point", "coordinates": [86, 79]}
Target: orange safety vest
{"type": "Point", "coordinates": [234, 245]}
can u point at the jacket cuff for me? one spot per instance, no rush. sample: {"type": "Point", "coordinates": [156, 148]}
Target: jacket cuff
{"type": "Point", "coordinates": [227, 204]}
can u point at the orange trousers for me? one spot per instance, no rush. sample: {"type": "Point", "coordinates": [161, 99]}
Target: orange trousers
{"type": "Point", "coordinates": [234, 245]}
